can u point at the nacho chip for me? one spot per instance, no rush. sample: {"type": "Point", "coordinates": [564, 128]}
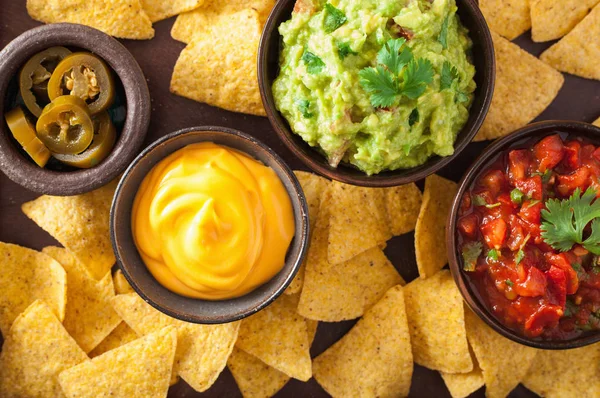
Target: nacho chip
{"type": "Point", "coordinates": [551, 19]}
{"type": "Point", "coordinates": [374, 358]}
{"type": "Point", "coordinates": [461, 385]}
{"type": "Point", "coordinates": [124, 19]}
{"type": "Point", "coordinates": [430, 231]}
{"type": "Point", "coordinates": [402, 208]}
{"type": "Point", "coordinates": [578, 52]}
{"type": "Point", "coordinates": [202, 350]}
{"type": "Point", "coordinates": [121, 335]}
{"type": "Point", "coordinates": [597, 122]}
{"type": "Point", "coordinates": [255, 378]}
{"type": "Point", "coordinates": [158, 10]}
{"type": "Point", "coordinates": [525, 86]}
{"type": "Point", "coordinates": [28, 275]}
{"type": "Point", "coordinates": [278, 336]}
{"type": "Point", "coordinates": [510, 18]}
{"type": "Point", "coordinates": [503, 362]}
{"type": "Point", "coordinates": [358, 221]}
{"type": "Point", "coordinates": [219, 66]}
{"type": "Point", "coordinates": [141, 368]}
{"type": "Point", "coordinates": [566, 373]}
{"type": "Point", "coordinates": [36, 349]}
{"type": "Point", "coordinates": [436, 319]}
{"type": "Point", "coordinates": [311, 329]}
{"type": "Point", "coordinates": [121, 284]}
{"type": "Point", "coordinates": [80, 223]}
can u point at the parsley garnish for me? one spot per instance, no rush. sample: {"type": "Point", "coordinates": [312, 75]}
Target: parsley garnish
{"type": "Point", "coordinates": [470, 253]}
{"type": "Point", "coordinates": [443, 37]}
{"type": "Point", "coordinates": [392, 58]}
{"type": "Point", "coordinates": [304, 108]}
{"type": "Point", "coordinates": [313, 63]}
{"type": "Point", "coordinates": [565, 221]}
{"type": "Point", "coordinates": [493, 255]}
{"type": "Point", "coordinates": [381, 85]}
{"type": "Point", "coordinates": [414, 117]}
{"type": "Point", "coordinates": [334, 18]}
{"type": "Point", "coordinates": [417, 75]}
{"type": "Point", "coordinates": [344, 50]}
{"type": "Point", "coordinates": [448, 75]}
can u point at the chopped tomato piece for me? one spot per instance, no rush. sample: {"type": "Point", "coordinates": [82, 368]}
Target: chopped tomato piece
{"type": "Point", "coordinates": [572, 152]}
{"type": "Point", "coordinates": [494, 233]}
{"type": "Point", "coordinates": [532, 187]}
{"type": "Point", "coordinates": [531, 211]}
{"type": "Point", "coordinates": [516, 236]}
{"type": "Point", "coordinates": [557, 286]}
{"type": "Point", "coordinates": [549, 152]}
{"type": "Point", "coordinates": [518, 165]}
{"type": "Point", "coordinates": [533, 285]}
{"type": "Point", "coordinates": [596, 154]}
{"type": "Point", "coordinates": [468, 225]}
{"type": "Point", "coordinates": [567, 184]}
{"type": "Point", "coordinates": [563, 261]}
{"type": "Point", "coordinates": [494, 181]}
{"type": "Point", "coordinates": [546, 317]}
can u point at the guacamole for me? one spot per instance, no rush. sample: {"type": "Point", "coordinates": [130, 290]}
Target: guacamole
{"type": "Point", "coordinates": [379, 84]}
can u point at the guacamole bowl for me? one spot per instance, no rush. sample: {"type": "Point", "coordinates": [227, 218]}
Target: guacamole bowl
{"type": "Point", "coordinates": [309, 104]}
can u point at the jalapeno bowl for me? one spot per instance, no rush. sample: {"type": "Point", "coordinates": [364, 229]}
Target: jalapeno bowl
{"type": "Point", "coordinates": [134, 110]}
{"type": "Point", "coordinates": [539, 290]}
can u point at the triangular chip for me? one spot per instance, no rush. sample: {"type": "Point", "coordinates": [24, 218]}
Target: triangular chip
{"type": "Point", "coordinates": [437, 324]}
{"type": "Point", "coordinates": [202, 350]}
{"type": "Point", "coordinates": [158, 10]}
{"type": "Point", "coordinates": [496, 356]}
{"type": "Point", "coordinates": [402, 204]}
{"type": "Point", "coordinates": [565, 373]}
{"type": "Point", "coordinates": [121, 284]}
{"type": "Point", "coordinates": [255, 378]}
{"type": "Point", "coordinates": [461, 385]}
{"type": "Point", "coordinates": [124, 19]}
{"type": "Point", "coordinates": [597, 122]}
{"type": "Point", "coordinates": [551, 19]}
{"type": "Point", "coordinates": [278, 336]}
{"type": "Point", "coordinates": [219, 65]}
{"type": "Point", "coordinates": [121, 335]}
{"type": "Point", "coordinates": [141, 368]}
{"type": "Point", "coordinates": [430, 232]}
{"type": "Point", "coordinates": [358, 221]}
{"type": "Point", "coordinates": [510, 18]}
{"type": "Point", "coordinates": [80, 223]}
{"type": "Point", "coordinates": [28, 275]}
{"type": "Point", "coordinates": [36, 349]}
{"type": "Point", "coordinates": [578, 52]}
{"type": "Point", "coordinates": [374, 358]}
{"type": "Point", "coordinates": [89, 316]}
{"type": "Point", "coordinates": [525, 86]}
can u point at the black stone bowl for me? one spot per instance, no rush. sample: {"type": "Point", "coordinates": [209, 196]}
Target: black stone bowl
{"type": "Point", "coordinates": [132, 265]}
{"type": "Point", "coordinates": [17, 165]}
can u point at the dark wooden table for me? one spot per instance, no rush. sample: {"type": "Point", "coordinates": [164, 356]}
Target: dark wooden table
{"type": "Point", "coordinates": [579, 99]}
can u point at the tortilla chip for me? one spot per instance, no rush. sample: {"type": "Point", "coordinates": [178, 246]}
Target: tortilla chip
{"type": "Point", "coordinates": [374, 358]}
{"type": "Point", "coordinates": [141, 368]}
{"type": "Point", "coordinates": [278, 336]}
{"type": "Point", "coordinates": [597, 122]}
{"type": "Point", "coordinates": [437, 324]}
{"type": "Point", "coordinates": [202, 350]}
{"type": "Point", "coordinates": [311, 329]}
{"type": "Point", "coordinates": [358, 221]}
{"type": "Point", "coordinates": [578, 52]}
{"type": "Point", "coordinates": [36, 349]}
{"type": "Point", "coordinates": [80, 223]}
{"type": "Point", "coordinates": [158, 10]}
{"type": "Point", "coordinates": [430, 232]}
{"type": "Point", "coordinates": [313, 187]}
{"type": "Point", "coordinates": [219, 66]}
{"type": "Point", "coordinates": [503, 362]}
{"type": "Point", "coordinates": [566, 373]}
{"type": "Point", "coordinates": [461, 385]}
{"type": "Point", "coordinates": [28, 275]}
{"type": "Point", "coordinates": [201, 19]}
{"type": "Point", "coordinates": [121, 284]}
{"type": "Point", "coordinates": [551, 19]}
{"type": "Point", "coordinates": [255, 378]}
{"type": "Point", "coordinates": [510, 18]}
{"type": "Point", "coordinates": [402, 205]}
{"type": "Point", "coordinates": [121, 335]}
{"type": "Point", "coordinates": [525, 86]}
{"type": "Point", "coordinates": [124, 19]}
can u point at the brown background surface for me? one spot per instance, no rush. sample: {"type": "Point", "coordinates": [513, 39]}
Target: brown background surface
{"type": "Point", "coordinates": [579, 99]}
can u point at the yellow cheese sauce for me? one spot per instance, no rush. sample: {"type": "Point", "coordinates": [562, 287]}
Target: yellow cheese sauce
{"type": "Point", "coordinates": [212, 223]}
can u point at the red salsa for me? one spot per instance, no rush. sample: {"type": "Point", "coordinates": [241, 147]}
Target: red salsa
{"type": "Point", "coordinates": [529, 233]}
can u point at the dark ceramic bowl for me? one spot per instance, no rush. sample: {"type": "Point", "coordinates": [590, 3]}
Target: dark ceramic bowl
{"type": "Point", "coordinates": [134, 269]}
{"type": "Point", "coordinates": [483, 59]}
{"type": "Point", "coordinates": [531, 133]}
{"type": "Point", "coordinates": [17, 165]}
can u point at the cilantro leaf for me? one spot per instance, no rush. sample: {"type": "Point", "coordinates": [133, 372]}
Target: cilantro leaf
{"type": "Point", "coordinates": [443, 36]}
{"type": "Point", "coordinates": [380, 83]}
{"type": "Point", "coordinates": [313, 63]}
{"type": "Point", "coordinates": [448, 75]}
{"type": "Point", "coordinates": [509, 282]}
{"type": "Point", "coordinates": [565, 221]}
{"type": "Point", "coordinates": [304, 108]}
{"type": "Point", "coordinates": [493, 254]}
{"type": "Point", "coordinates": [470, 254]}
{"type": "Point", "coordinates": [520, 256]}
{"type": "Point", "coordinates": [334, 18]}
{"type": "Point", "coordinates": [414, 117]}
{"type": "Point", "coordinates": [344, 50]}
{"type": "Point", "coordinates": [392, 58]}
{"type": "Point", "coordinates": [417, 75]}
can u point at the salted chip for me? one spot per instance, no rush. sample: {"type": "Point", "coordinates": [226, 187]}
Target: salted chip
{"type": "Point", "coordinates": [255, 378]}
{"type": "Point", "coordinates": [278, 336]}
{"type": "Point", "coordinates": [461, 385]}
{"type": "Point", "coordinates": [496, 356]}
{"type": "Point", "coordinates": [358, 221]}
{"type": "Point", "coordinates": [80, 223]}
{"type": "Point", "coordinates": [402, 204]}
{"type": "Point", "coordinates": [219, 66]}
{"type": "Point", "coordinates": [430, 231]}
{"type": "Point", "coordinates": [141, 368]}
{"type": "Point", "coordinates": [597, 122]}
{"type": "Point", "coordinates": [566, 373]}
{"type": "Point", "coordinates": [121, 335]}
{"type": "Point", "coordinates": [578, 52]}
{"type": "Point", "coordinates": [124, 19]}
{"type": "Point", "coordinates": [551, 19]}
{"type": "Point", "coordinates": [28, 275]}
{"type": "Point", "coordinates": [202, 350]}
{"type": "Point", "coordinates": [374, 358]}
{"type": "Point", "coordinates": [158, 10]}
{"type": "Point", "coordinates": [36, 349]}
{"type": "Point", "coordinates": [121, 284]}
{"type": "Point", "coordinates": [437, 324]}
{"type": "Point", "coordinates": [510, 18]}
{"type": "Point", "coordinates": [525, 86]}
